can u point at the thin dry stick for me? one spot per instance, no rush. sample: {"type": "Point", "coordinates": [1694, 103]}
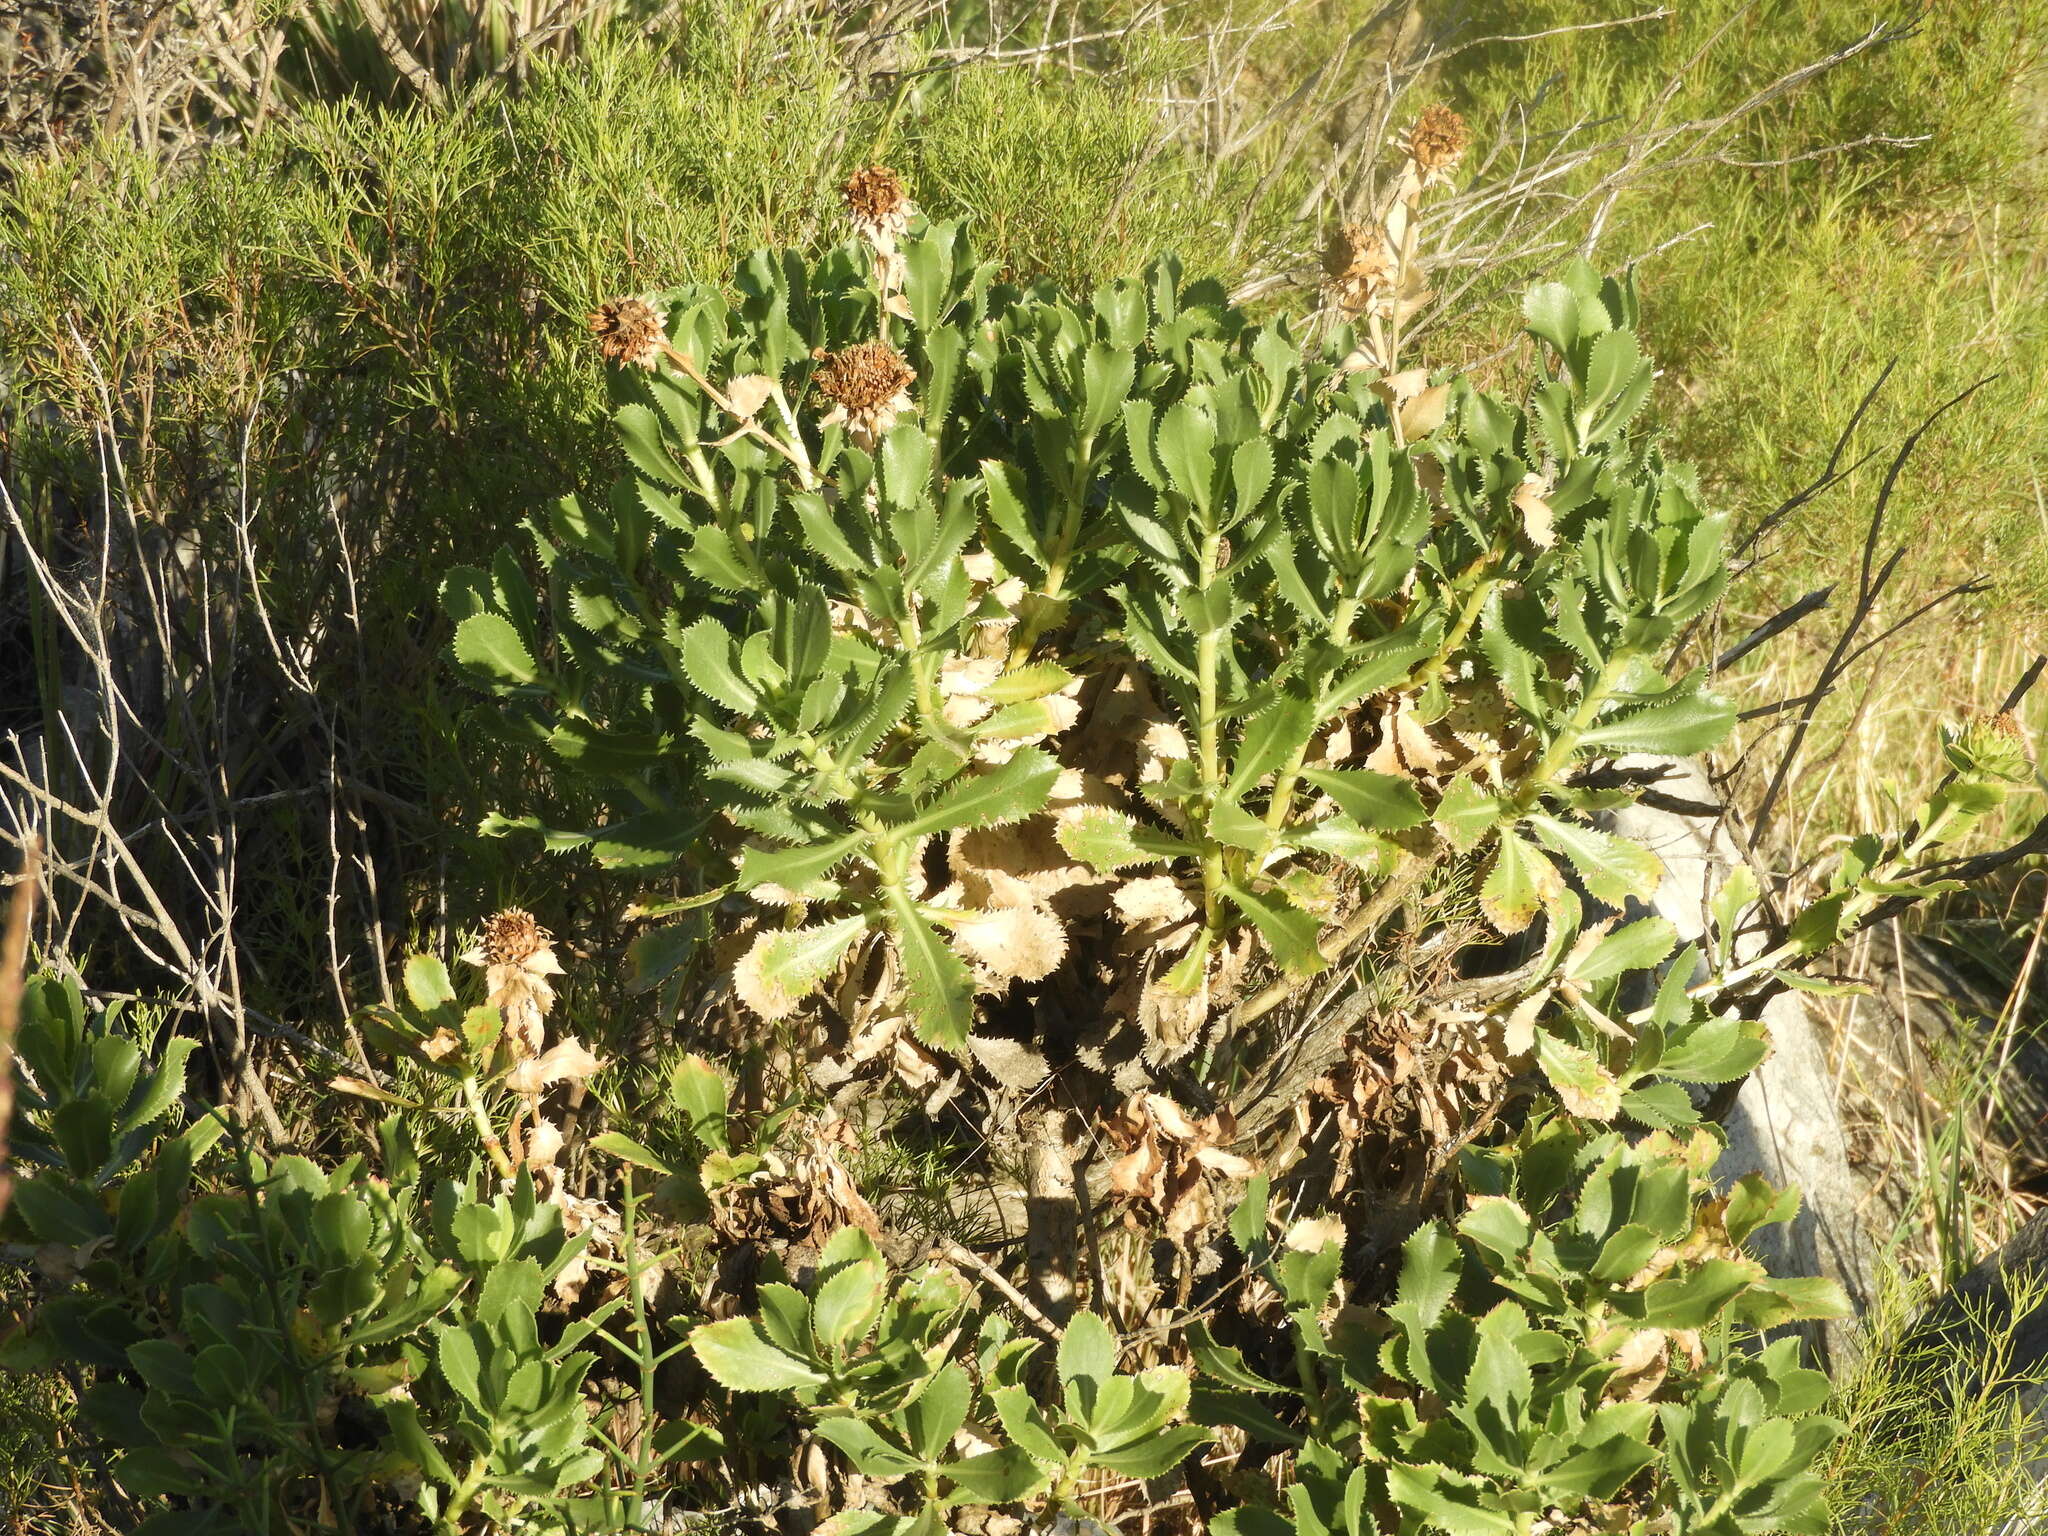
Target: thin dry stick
{"type": "Point", "coordinates": [2016, 1000]}
{"type": "Point", "coordinates": [995, 1281]}
{"type": "Point", "coordinates": [13, 978]}
{"type": "Point", "coordinates": [1336, 945]}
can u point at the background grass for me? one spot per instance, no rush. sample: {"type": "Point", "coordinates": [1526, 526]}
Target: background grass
{"type": "Point", "coordinates": [1806, 281]}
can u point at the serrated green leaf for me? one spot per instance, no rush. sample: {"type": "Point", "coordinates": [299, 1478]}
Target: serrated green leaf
{"type": "Point", "coordinates": [1551, 311]}
{"type": "Point", "coordinates": [1520, 882]}
{"type": "Point", "coordinates": [1466, 813]}
{"type": "Point", "coordinates": [1289, 932]}
{"type": "Point", "coordinates": [795, 869]}
{"type": "Point", "coordinates": [1108, 840]}
{"type": "Point", "coordinates": [1687, 721]}
{"type": "Point", "coordinates": [706, 652]}
{"type": "Point", "coordinates": [1001, 1476]}
{"type": "Point", "coordinates": [160, 1093]}
{"type": "Point", "coordinates": [866, 1449]}
{"type": "Point", "coordinates": [1270, 741]}
{"type": "Point", "coordinates": [1639, 946]}
{"type": "Point", "coordinates": [488, 644]}
{"type": "Point", "coordinates": [796, 960]}
{"type": "Point", "coordinates": [1026, 683]}
{"type": "Point", "coordinates": [935, 1415]}
{"type": "Point", "coordinates": [658, 954]}
{"type": "Point", "coordinates": [715, 559]}
{"type": "Point", "coordinates": [937, 986]}
{"type": "Point", "coordinates": [1379, 801]}
{"type": "Point", "coordinates": [741, 1357]}
{"type": "Point", "coordinates": [848, 1303]}
{"type": "Point", "coordinates": [1434, 1493]}
{"type": "Point", "coordinates": [640, 435]}
{"type": "Point", "coordinates": [1156, 1454]}
{"type": "Point", "coordinates": [1584, 1087]}
{"type": "Point", "coordinates": [1615, 870]}
{"type": "Point", "coordinates": [427, 985]}
{"type": "Point", "coordinates": [627, 1150]}
{"type": "Point", "coordinates": [1009, 792]}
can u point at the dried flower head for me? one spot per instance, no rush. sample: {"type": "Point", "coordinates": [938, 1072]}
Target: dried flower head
{"type": "Point", "coordinates": [1359, 268]}
{"type": "Point", "coordinates": [518, 957]}
{"type": "Point", "coordinates": [868, 384]}
{"type": "Point", "coordinates": [1436, 143]}
{"type": "Point", "coordinates": [878, 205]}
{"type": "Point", "coordinates": [628, 332]}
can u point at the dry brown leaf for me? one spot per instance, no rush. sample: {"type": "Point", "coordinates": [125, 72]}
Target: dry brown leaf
{"type": "Point", "coordinates": [1312, 1234]}
{"type": "Point", "coordinates": [1639, 1365]}
{"type": "Point", "coordinates": [1021, 943]}
{"type": "Point", "coordinates": [1190, 1207]}
{"type": "Point", "coordinates": [1539, 523]}
{"type": "Point", "coordinates": [1229, 1164]}
{"type": "Point", "coordinates": [916, 1067]}
{"type": "Point", "coordinates": [1408, 747]}
{"type": "Point", "coordinates": [961, 710]}
{"type": "Point", "coordinates": [1426, 412]}
{"type": "Point", "coordinates": [748, 393]}
{"type": "Point", "coordinates": [1399, 388]}
{"type": "Point", "coordinates": [543, 1143]}
{"type": "Point", "coordinates": [1152, 899]}
{"type": "Point", "coordinates": [1520, 1031]}
{"type": "Point", "coordinates": [564, 1062]}
{"type": "Point", "coordinates": [1171, 1018]}
{"type": "Point", "coordinates": [1012, 1063]}
{"type": "Point", "coordinates": [968, 674]}
{"type": "Point", "coordinates": [441, 1044]}
{"type": "Point", "coordinates": [1138, 1174]}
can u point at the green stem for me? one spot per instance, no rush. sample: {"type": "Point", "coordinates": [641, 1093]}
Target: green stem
{"type": "Point", "coordinates": [1208, 749]}
{"type": "Point", "coordinates": [707, 483]}
{"type": "Point", "coordinates": [643, 1459]}
{"type": "Point", "coordinates": [1558, 756]}
{"type": "Point", "coordinates": [465, 1494]}
{"type": "Point", "coordinates": [1057, 554]}
{"type": "Point", "coordinates": [486, 1132]}
{"type": "Point", "coordinates": [1281, 809]}
{"type": "Point", "coordinates": [1311, 1384]}
{"type": "Point", "coordinates": [1454, 637]}
{"type": "Point", "coordinates": [923, 667]}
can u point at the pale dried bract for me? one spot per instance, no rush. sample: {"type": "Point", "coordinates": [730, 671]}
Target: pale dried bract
{"type": "Point", "coordinates": [1359, 269]}
{"type": "Point", "coordinates": [518, 957]}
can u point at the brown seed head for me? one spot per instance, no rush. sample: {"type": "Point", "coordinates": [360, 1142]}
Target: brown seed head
{"type": "Point", "coordinates": [628, 332]}
{"type": "Point", "coordinates": [874, 195]}
{"type": "Point", "coordinates": [512, 936]}
{"type": "Point", "coordinates": [864, 377]}
{"type": "Point", "coordinates": [880, 211]}
{"type": "Point", "coordinates": [1437, 141]}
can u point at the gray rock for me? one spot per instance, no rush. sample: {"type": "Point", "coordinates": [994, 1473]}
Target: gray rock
{"type": "Point", "coordinates": [1786, 1124]}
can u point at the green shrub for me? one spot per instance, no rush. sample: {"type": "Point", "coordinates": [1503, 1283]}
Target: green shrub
{"type": "Point", "coordinates": [336, 358]}
{"type": "Point", "coordinates": [277, 1345]}
{"type": "Point", "coordinates": [1346, 627]}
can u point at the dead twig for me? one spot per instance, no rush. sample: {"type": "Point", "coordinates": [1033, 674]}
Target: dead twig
{"type": "Point", "coordinates": [13, 981]}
